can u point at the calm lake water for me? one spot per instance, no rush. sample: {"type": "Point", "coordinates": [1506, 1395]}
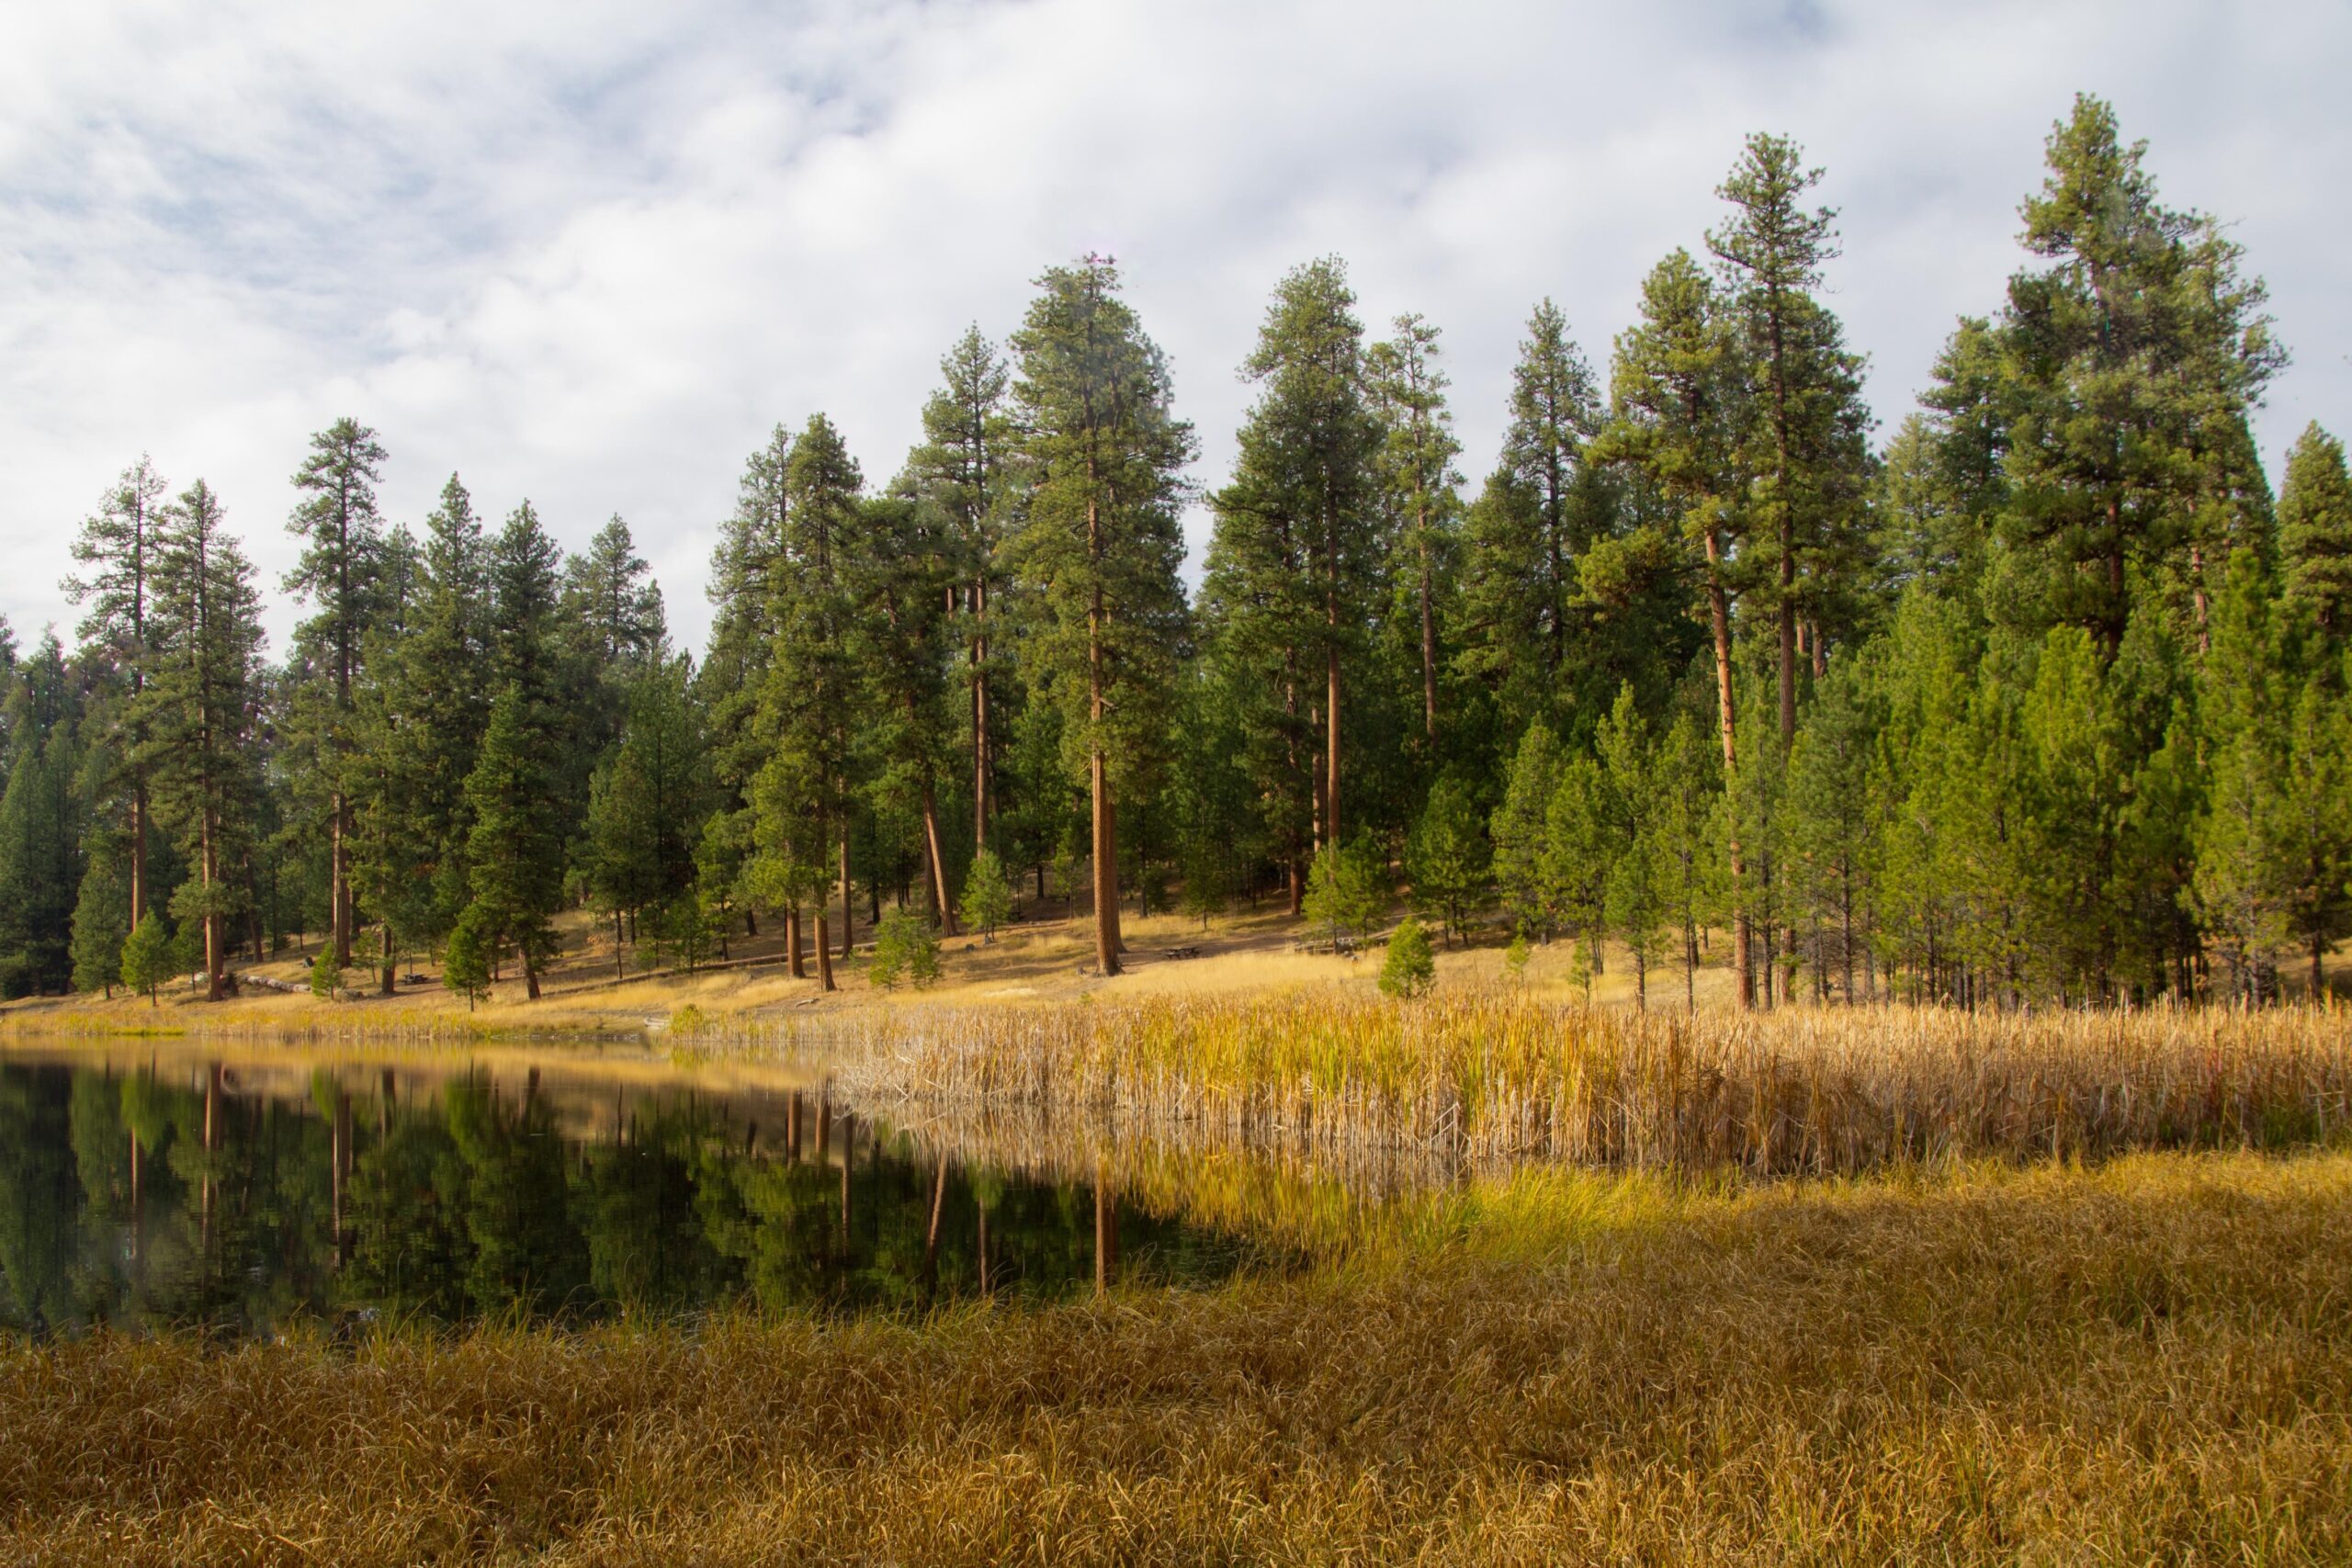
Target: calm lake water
{"type": "Point", "coordinates": [145, 1189]}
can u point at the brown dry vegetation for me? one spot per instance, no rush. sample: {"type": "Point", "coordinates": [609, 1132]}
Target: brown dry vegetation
{"type": "Point", "coordinates": [2149, 1362]}
{"type": "Point", "coordinates": [2018, 1335]}
{"type": "Point", "coordinates": [1492, 1077]}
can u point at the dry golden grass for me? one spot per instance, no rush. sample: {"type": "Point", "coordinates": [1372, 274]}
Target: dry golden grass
{"type": "Point", "coordinates": [1493, 1077]}
{"type": "Point", "coordinates": [2147, 1362]}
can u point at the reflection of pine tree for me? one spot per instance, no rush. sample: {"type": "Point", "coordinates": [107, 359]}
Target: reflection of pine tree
{"type": "Point", "coordinates": [528, 1251]}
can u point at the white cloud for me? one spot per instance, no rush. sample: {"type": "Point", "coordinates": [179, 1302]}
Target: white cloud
{"type": "Point", "coordinates": [591, 253]}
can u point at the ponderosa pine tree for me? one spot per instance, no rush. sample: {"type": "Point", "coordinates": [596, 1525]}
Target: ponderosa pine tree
{"type": "Point", "coordinates": [1521, 833]}
{"type": "Point", "coordinates": [613, 630]}
{"type": "Point", "coordinates": [2246, 863]}
{"type": "Point", "coordinates": [44, 817]}
{"type": "Point", "coordinates": [1101, 540]}
{"type": "Point", "coordinates": [116, 554]}
{"type": "Point", "coordinates": [901, 579]}
{"type": "Point", "coordinates": [1423, 491]}
{"type": "Point", "coordinates": [1636, 904]}
{"type": "Point", "coordinates": [1942, 487]}
{"type": "Point", "coordinates": [443, 700]}
{"type": "Point", "coordinates": [1313, 435]}
{"type": "Point", "coordinates": [388, 768]}
{"type": "Point", "coordinates": [2130, 357]}
{"type": "Point", "coordinates": [1686, 809]}
{"type": "Point", "coordinates": [101, 918]}
{"type": "Point", "coordinates": [733, 673]}
{"type": "Point", "coordinates": [517, 818]}
{"type": "Point", "coordinates": [1831, 832]}
{"type": "Point", "coordinates": [960, 470]}
{"type": "Point", "coordinates": [200, 709]}
{"type": "Point", "coordinates": [1674, 393]}
{"type": "Point", "coordinates": [1448, 857]}
{"type": "Point", "coordinates": [1803, 439]}
{"type": "Point", "coordinates": [1581, 842]}
{"type": "Point", "coordinates": [2315, 531]}
{"type": "Point", "coordinates": [1544, 506]}
{"type": "Point", "coordinates": [147, 959]}
{"type": "Point", "coordinates": [647, 803]}
{"type": "Point", "coordinates": [1292, 562]}
{"type": "Point", "coordinates": [800, 796]}
{"type": "Point", "coordinates": [609, 589]}
{"type": "Point", "coordinates": [341, 532]}
{"type": "Point", "coordinates": [988, 898]}
{"type": "Point", "coordinates": [515, 850]}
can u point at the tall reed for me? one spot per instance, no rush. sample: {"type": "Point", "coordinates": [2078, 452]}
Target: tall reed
{"type": "Point", "coordinates": [1492, 1077]}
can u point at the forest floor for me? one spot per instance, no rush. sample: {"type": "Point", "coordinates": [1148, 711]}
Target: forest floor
{"type": "Point", "coordinates": [595, 987]}
{"type": "Point", "coordinates": [598, 987]}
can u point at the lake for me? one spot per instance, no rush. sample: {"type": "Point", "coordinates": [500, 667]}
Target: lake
{"type": "Point", "coordinates": [147, 1186]}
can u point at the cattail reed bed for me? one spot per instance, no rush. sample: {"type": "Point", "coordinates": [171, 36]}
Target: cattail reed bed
{"type": "Point", "coordinates": [1492, 1079]}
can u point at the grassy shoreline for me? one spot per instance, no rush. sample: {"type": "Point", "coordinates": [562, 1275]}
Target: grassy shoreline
{"type": "Point", "coordinates": [2148, 1362]}
{"type": "Point", "coordinates": [1835, 1302]}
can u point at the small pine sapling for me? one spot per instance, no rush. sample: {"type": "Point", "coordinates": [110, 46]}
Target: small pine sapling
{"type": "Point", "coordinates": [1410, 968]}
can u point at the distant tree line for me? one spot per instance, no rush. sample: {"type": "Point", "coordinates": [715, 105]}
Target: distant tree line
{"type": "Point", "coordinates": [2044, 698]}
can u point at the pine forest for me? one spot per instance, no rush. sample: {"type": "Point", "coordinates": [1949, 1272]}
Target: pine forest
{"type": "Point", "coordinates": [2034, 694]}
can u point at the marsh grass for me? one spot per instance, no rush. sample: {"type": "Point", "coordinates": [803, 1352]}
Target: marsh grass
{"type": "Point", "coordinates": [1490, 1079]}
{"type": "Point", "coordinates": [2148, 1362]}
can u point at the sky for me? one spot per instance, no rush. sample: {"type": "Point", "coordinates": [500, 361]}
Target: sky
{"type": "Point", "coordinates": [591, 253]}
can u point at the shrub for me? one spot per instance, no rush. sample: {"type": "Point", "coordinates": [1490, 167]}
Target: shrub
{"type": "Point", "coordinates": [904, 949]}
{"type": "Point", "coordinates": [1515, 957]}
{"type": "Point", "coordinates": [988, 898]}
{"type": "Point", "coordinates": [147, 956]}
{"type": "Point", "coordinates": [465, 964]}
{"type": "Point", "coordinates": [1447, 856]}
{"type": "Point", "coordinates": [326, 975]}
{"type": "Point", "coordinates": [1410, 969]}
{"type": "Point", "coordinates": [1345, 893]}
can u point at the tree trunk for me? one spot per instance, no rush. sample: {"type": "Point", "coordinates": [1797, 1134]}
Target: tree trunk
{"type": "Point", "coordinates": [339, 881]}
{"type": "Point", "coordinates": [824, 950]}
{"type": "Point", "coordinates": [208, 864]}
{"type": "Point", "coordinates": [138, 851]}
{"type": "Point", "coordinates": [2197, 577]}
{"type": "Point", "coordinates": [933, 864]}
{"type": "Point", "coordinates": [1788, 631]}
{"type": "Point", "coordinates": [1102, 811]}
{"type": "Point", "coordinates": [1719, 618]}
{"type": "Point", "coordinates": [1428, 635]}
{"type": "Point", "coordinates": [794, 964]}
{"type": "Point", "coordinates": [390, 960]}
{"type": "Point", "coordinates": [849, 915]}
{"type": "Point", "coordinates": [1104, 822]}
{"type": "Point", "coordinates": [980, 756]}
{"type": "Point", "coordinates": [1332, 669]}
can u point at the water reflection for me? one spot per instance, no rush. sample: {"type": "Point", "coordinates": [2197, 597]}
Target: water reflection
{"type": "Point", "coordinates": [243, 1199]}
